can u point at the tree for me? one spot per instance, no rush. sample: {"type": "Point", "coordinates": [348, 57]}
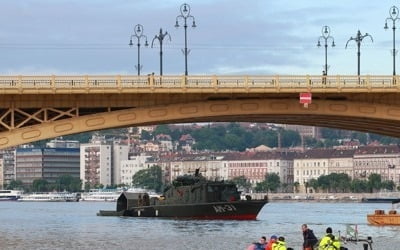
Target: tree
{"type": "Point", "coordinates": [81, 137]}
{"type": "Point", "coordinates": [242, 183]}
{"type": "Point", "coordinates": [388, 185]}
{"type": "Point", "coordinates": [359, 186]}
{"type": "Point", "coordinates": [311, 142]}
{"type": "Point", "coordinates": [374, 182]}
{"type": "Point", "coordinates": [176, 134]}
{"type": "Point", "coordinates": [271, 183]}
{"type": "Point", "coordinates": [98, 186]}
{"type": "Point", "coordinates": [290, 138]}
{"type": "Point", "coordinates": [15, 185]}
{"type": "Point", "coordinates": [69, 183]}
{"type": "Point", "coordinates": [313, 183]}
{"type": "Point", "coordinates": [150, 178]}
{"type": "Point", "coordinates": [262, 187]}
{"type": "Point", "coordinates": [87, 186]}
{"type": "Point", "coordinates": [268, 138]}
{"type": "Point", "coordinates": [206, 139]}
{"type": "Point", "coordinates": [323, 182]}
{"type": "Point", "coordinates": [344, 182]}
{"type": "Point", "coordinates": [334, 182]}
{"type": "Point", "coordinates": [361, 137]}
{"type": "Point", "coordinates": [145, 135]}
{"type": "Point", "coordinates": [40, 185]}
{"type": "Point", "coordinates": [328, 143]}
{"type": "Point", "coordinates": [162, 129]}
{"type": "Point", "coordinates": [234, 142]}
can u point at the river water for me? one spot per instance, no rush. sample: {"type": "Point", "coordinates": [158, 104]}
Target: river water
{"type": "Point", "coordinates": [74, 225]}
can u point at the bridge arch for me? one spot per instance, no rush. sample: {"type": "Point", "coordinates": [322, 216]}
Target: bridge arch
{"type": "Point", "coordinates": [353, 115]}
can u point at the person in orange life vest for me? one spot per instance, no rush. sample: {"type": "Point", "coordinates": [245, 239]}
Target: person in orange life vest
{"type": "Point", "coordinates": [271, 242]}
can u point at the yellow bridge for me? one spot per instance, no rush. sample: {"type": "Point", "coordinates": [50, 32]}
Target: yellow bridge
{"type": "Point", "coordinates": [34, 108]}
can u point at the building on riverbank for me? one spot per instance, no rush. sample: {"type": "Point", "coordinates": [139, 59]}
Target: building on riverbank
{"type": "Point", "coordinates": [46, 163]}
{"type": "Point", "coordinates": [382, 160]}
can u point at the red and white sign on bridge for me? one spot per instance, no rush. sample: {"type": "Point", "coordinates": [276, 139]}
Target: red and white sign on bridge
{"type": "Point", "coordinates": [305, 98]}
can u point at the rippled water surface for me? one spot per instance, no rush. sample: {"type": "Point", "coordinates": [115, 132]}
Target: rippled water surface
{"type": "Point", "coordinates": [41, 225]}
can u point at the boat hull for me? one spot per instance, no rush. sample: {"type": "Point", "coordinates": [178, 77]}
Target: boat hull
{"type": "Point", "coordinates": [379, 200]}
{"type": "Point", "coordinates": [384, 219]}
{"type": "Point", "coordinates": [239, 210]}
{"type": "Point", "coordinates": [10, 198]}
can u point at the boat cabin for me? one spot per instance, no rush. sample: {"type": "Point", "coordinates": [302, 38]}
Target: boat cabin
{"type": "Point", "coordinates": [127, 200]}
{"type": "Point", "coordinates": [187, 190]}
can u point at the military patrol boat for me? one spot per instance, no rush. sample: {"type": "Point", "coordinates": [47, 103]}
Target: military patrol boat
{"type": "Point", "coordinates": [190, 197]}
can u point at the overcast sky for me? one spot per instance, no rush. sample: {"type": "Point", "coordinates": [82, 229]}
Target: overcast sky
{"type": "Point", "coordinates": [231, 37]}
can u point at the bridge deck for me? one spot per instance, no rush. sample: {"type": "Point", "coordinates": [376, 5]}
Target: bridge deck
{"type": "Point", "coordinates": [197, 84]}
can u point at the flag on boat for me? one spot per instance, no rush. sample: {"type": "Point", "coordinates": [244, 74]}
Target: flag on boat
{"type": "Point", "coordinates": [351, 231]}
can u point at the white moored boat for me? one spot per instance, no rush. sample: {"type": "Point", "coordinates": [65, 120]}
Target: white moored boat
{"type": "Point", "coordinates": [10, 195]}
{"type": "Point", "coordinates": [64, 196]}
{"type": "Point", "coordinates": [101, 195]}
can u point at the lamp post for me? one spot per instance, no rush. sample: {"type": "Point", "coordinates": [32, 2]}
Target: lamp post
{"type": "Point", "coordinates": [358, 39]}
{"type": "Point", "coordinates": [326, 36]}
{"type": "Point", "coordinates": [390, 166]}
{"type": "Point", "coordinates": [394, 13]}
{"type": "Point", "coordinates": [185, 14]}
{"type": "Point", "coordinates": [139, 35]}
{"type": "Point", "coordinates": [306, 186]}
{"type": "Point", "coordinates": [160, 37]}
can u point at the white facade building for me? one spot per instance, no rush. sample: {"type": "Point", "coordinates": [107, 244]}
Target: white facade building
{"type": "Point", "coordinates": [210, 166]}
{"type": "Point", "coordinates": [382, 160]}
{"type": "Point", "coordinates": [119, 153]}
{"type": "Point", "coordinates": [254, 166]}
{"type": "Point", "coordinates": [311, 165]}
{"type": "Point", "coordinates": [341, 162]}
{"type": "Point", "coordinates": [253, 170]}
{"type": "Point", "coordinates": [130, 167]}
{"type": "Point", "coordinates": [96, 164]}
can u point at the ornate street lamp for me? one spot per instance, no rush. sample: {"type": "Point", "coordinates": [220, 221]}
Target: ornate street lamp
{"type": "Point", "coordinates": [326, 36]}
{"type": "Point", "coordinates": [358, 39]}
{"type": "Point", "coordinates": [394, 13]}
{"type": "Point", "coordinates": [185, 14]}
{"type": "Point", "coordinates": [160, 37]}
{"type": "Point", "coordinates": [139, 35]}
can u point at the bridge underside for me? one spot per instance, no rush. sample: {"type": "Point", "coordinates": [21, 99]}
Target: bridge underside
{"type": "Point", "coordinates": [28, 118]}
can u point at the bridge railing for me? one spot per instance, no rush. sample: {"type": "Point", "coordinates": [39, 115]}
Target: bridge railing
{"type": "Point", "coordinates": [267, 83]}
